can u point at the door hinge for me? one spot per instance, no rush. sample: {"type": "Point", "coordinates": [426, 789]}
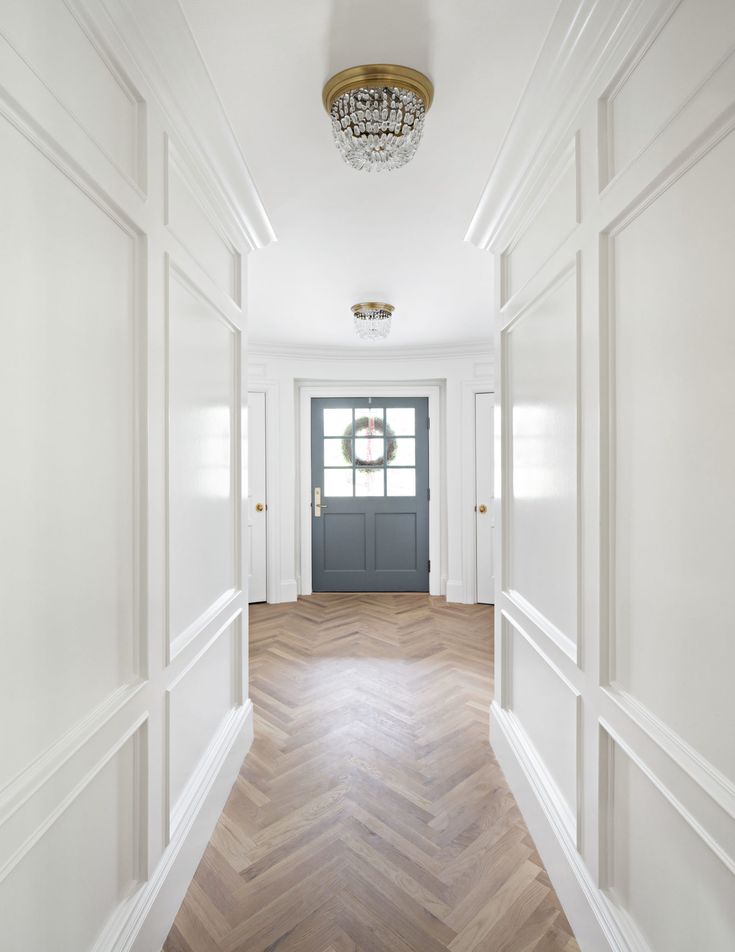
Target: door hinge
{"type": "Point", "coordinates": [428, 566]}
{"type": "Point", "coordinates": [428, 423]}
{"type": "Point", "coordinates": [428, 494]}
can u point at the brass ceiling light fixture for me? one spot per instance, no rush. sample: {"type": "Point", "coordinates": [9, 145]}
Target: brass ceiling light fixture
{"type": "Point", "coordinates": [372, 319]}
{"type": "Point", "coordinates": [378, 114]}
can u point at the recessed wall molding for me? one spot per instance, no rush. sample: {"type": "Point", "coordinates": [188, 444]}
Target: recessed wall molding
{"type": "Point", "coordinates": [189, 214]}
{"type": "Point", "coordinates": [161, 43]}
{"type": "Point", "coordinates": [554, 214]}
{"type": "Point", "coordinates": [180, 800]}
{"type": "Point", "coordinates": [635, 111]}
{"type": "Point", "coordinates": [564, 795]}
{"type": "Point", "coordinates": [223, 580]}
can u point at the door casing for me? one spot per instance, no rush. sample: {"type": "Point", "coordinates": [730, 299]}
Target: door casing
{"type": "Point", "coordinates": [312, 389]}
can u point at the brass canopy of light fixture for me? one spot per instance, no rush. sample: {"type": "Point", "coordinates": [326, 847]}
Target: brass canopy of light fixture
{"type": "Point", "coordinates": [376, 75]}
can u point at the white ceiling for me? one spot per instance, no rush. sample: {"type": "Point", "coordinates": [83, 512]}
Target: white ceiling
{"type": "Point", "coordinates": [345, 236]}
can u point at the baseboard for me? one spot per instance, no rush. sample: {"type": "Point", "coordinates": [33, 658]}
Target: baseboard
{"type": "Point", "coordinates": [289, 590]}
{"type": "Point", "coordinates": [587, 908]}
{"type": "Point", "coordinates": [455, 591]}
{"type": "Point", "coordinates": [154, 908]}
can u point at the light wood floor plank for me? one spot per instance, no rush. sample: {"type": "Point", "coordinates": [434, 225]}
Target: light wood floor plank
{"type": "Point", "coordinates": [370, 814]}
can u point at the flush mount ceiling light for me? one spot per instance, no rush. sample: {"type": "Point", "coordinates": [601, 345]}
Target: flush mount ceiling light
{"type": "Point", "coordinates": [372, 320]}
{"type": "Point", "coordinates": [378, 114]}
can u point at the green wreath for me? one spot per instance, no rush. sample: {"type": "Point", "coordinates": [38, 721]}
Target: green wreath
{"type": "Point", "coordinates": [363, 423]}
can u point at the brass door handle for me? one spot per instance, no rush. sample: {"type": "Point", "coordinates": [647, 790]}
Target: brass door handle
{"type": "Point", "coordinates": [259, 507]}
{"type": "Point", "coordinates": [482, 507]}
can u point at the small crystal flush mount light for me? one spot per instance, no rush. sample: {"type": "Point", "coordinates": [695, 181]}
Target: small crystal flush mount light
{"type": "Point", "coordinates": [378, 114]}
{"type": "Point", "coordinates": [372, 319]}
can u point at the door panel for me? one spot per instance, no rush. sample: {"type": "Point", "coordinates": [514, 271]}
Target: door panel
{"type": "Point", "coordinates": [370, 464]}
{"type": "Point", "coordinates": [256, 498]}
{"type": "Point", "coordinates": [484, 518]}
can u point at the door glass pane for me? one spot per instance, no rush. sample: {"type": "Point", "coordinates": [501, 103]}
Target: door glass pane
{"type": "Point", "coordinates": [338, 482]}
{"type": "Point", "coordinates": [401, 482]}
{"type": "Point", "coordinates": [402, 452]}
{"type": "Point", "coordinates": [337, 421]}
{"type": "Point", "coordinates": [369, 452]}
{"type": "Point", "coordinates": [402, 420]}
{"type": "Point", "coordinates": [369, 482]}
{"type": "Point", "coordinates": [369, 421]}
{"type": "Point", "coordinates": [334, 453]}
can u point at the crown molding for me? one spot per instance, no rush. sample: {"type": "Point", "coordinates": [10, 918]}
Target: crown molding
{"type": "Point", "coordinates": [479, 349]}
{"type": "Point", "coordinates": [160, 41]}
{"type": "Point", "coordinates": [583, 39]}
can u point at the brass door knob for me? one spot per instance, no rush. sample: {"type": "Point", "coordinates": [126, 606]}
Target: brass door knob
{"type": "Point", "coordinates": [259, 507]}
{"type": "Point", "coordinates": [482, 507]}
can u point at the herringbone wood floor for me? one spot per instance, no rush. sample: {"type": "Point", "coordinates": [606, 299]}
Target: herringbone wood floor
{"type": "Point", "coordinates": [370, 813]}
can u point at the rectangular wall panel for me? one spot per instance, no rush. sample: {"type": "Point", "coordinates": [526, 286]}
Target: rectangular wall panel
{"type": "Point", "coordinates": [73, 63]}
{"type": "Point", "coordinates": [676, 890]}
{"type": "Point", "coordinates": [541, 414]}
{"type": "Point", "coordinates": [689, 46]}
{"type": "Point", "coordinates": [546, 706]}
{"type": "Point", "coordinates": [198, 702]}
{"type": "Point", "coordinates": [68, 418]}
{"type": "Point", "coordinates": [203, 481]}
{"type": "Point", "coordinates": [554, 217]}
{"type": "Point", "coordinates": [674, 519]}
{"type": "Point", "coordinates": [194, 226]}
{"type": "Point", "coordinates": [70, 882]}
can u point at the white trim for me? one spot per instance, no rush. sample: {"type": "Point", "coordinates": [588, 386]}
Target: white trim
{"type": "Point", "coordinates": [481, 349]}
{"type": "Point", "coordinates": [160, 41]}
{"type": "Point", "coordinates": [272, 487]}
{"type": "Point", "coordinates": [584, 37]}
{"type": "Point", "coordinates": [470, 389]}
{"type": "Point", "coordinates": [593, 918]}
{"type": "Point", "coordinates": [314, 390]}
{"type": "Point", "coordinates": [157, 902]}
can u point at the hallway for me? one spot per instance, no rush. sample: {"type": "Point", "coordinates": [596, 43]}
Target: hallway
{"type": "Point", "coordinates": [370, 813]}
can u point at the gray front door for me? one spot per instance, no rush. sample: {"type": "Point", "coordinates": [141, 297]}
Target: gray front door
{"type": "Point", "coordinates": [370, 474]}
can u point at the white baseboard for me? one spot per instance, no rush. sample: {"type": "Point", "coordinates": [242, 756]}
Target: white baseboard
{"type": "Point", "coordinates": [587, 908]}
{"type": "Point", "coordinates": [289, 590]}
{"type": "Point", "coordinates": [154, 908]}
{"type": "Point", "coordinates": [455, 591]}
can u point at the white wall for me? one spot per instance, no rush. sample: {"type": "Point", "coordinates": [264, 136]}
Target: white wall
{"type": "Point", "coordinates": [123, 692]}
{"type": "Point", "coordinates": [611, 214]}
{"type": "Point", "coordinates": [459, 373]}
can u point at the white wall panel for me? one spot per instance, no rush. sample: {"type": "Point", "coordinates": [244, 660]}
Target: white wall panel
{"type": "Point", "coordinates": [674, 341]}
{"type": "Point", "coordinates": [546, 705]}
{"type": "Point", "coordinates": [676, 890]}
{"type": "Point", "coordinates": [194, 225]}
{"type": "Point", "coordinates": [198, 703]}
{"type": "Point", "coordinates": [68, 410]}
{"type": "Point", "coordinates": [203, 390]}
{"type": "Point", "coordinates": [692, 41]}
{"type": "Point", "coordinates": [81, 865]}
{"type": "Point", "coordinates": [552, 218]}
{"type": "Point", "coordinates": [120, 391]}
{"type": "Point", "coordinates": [631, 410]}
{"type": "Point", "coordinates": [540, 350]}
{"type": "Point", "coordinates": [72, 61]}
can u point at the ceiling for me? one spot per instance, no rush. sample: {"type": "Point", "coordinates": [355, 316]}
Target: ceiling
{"type": "Point", "coordinates": [345, 236]}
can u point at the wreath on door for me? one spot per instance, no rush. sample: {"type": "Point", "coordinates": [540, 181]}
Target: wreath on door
{"type": "Point", "coordinates": [372, 426]}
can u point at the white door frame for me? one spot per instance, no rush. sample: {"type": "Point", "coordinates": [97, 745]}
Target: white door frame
{"type": "Point", "coordinates": [314, 389]}
{"type": "Point", "coordinates": [270, 389]}
{"type": "Point", "coordinates": [469, 525]}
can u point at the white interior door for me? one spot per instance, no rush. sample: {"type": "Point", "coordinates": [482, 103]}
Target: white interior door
{"type": "Point", "coordinates": [256, 498]}
{"type": "Point", "coordinates": [484, 507]}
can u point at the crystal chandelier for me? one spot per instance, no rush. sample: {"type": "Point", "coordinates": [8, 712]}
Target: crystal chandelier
{"type": "Point", "coordinates": [372, 320]}
{"type": "Point", "coordinates": [378, 114]}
